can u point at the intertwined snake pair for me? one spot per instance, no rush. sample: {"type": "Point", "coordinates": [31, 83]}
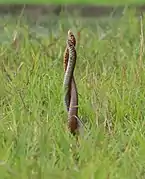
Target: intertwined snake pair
{"type": "Point", "coordinates": [71, 94]}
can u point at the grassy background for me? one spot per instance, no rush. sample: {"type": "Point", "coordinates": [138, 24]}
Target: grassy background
{"type": "Point", "coordinates": [110, 76]}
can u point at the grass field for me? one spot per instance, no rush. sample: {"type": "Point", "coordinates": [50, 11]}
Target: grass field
{"type": "Point", "coordinates": [110, 76]}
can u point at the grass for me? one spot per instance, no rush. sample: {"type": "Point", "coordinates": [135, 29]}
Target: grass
{"type": "Point", "coordinates": [110, 76]}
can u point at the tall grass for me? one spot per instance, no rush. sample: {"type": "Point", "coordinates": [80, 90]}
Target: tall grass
{"type": "Point", "coordinates": [110, 76]}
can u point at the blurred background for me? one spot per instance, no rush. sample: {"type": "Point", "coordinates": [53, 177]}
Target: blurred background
{"type": "Point", "coordinates": [43, 19]}
{"type": "Point", "coordinates": [84, 10]}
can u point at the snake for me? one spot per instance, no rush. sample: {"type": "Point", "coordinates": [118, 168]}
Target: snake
{"type": "Point", "coordinates": [71, 94]}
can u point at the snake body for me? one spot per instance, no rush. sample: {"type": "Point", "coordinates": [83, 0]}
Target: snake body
{"type": "Point", "coordinates": [71, 94]}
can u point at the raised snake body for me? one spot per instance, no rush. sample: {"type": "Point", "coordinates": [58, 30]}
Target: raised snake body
{"type": "Point", "coordinates": [71, 94]}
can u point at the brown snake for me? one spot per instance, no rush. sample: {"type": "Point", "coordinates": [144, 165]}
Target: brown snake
{"type": "Point", "coordinates": [71, 94]}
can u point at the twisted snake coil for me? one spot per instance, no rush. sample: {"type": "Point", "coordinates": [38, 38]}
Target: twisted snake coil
{"type": "Point", "coordinates": [71, 94]}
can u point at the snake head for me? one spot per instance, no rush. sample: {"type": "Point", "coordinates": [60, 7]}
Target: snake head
{"type": "Point", "coordinates": [71, 37]}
